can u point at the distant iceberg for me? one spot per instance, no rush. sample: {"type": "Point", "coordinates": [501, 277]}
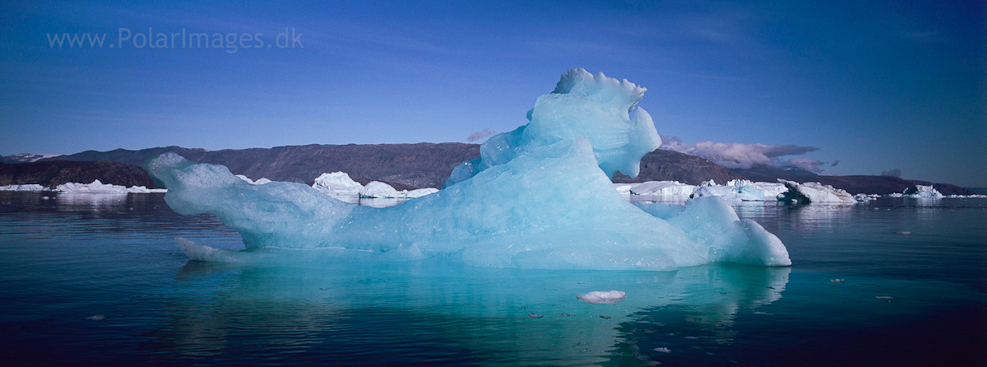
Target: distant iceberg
{"type": "Point", "coordinates": [538, 197]}
{"type": "Point", "coordinates": [734, 192]}
{"type": "Point", "coordinates": [27, 187]}
{"type": "Point", "coordinates": [339, 184]}
{"type": "Point", "coordinates": [95, 187]}
{"type": "Point", "coordinates": [377, 189]}
{"type": "Point", "coordinates": [670, 190]}
{"type": "Point", "coordinates": [814, 192]}
{"type": "Point", "coordinates": [922, 192]}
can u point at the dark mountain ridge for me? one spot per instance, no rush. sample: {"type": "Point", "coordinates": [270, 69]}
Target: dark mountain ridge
{"type": "Point", "coordinates": [666, 165]}
{"type": "Point", "coordinates": [402, 165]}
{"type": "Point", "coordinates": [408, 166]}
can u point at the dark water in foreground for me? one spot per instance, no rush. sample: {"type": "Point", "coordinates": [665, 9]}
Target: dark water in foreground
{"type": "Point", "coordinates": [100, 281]}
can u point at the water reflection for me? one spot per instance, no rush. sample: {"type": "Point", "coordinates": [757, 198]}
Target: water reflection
{"type": "Point", "coordinates": [94, 201]}
{"type": "Point", "coordinates": [433, 312]}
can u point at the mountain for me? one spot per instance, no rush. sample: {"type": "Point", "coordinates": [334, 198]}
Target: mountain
{"type": "Point", "coordinates": [766, 173]}
{"type": "Point", "coordinates": [53, 173]}
{"type": "Point", "coordinates": [409, 166]}
{"type": "Point", "coordinates": [25, 157]}
{"type": "Point", "coordinates": [666, 165]}
{"type": "Point", "coordinates": [402, 165]}
{"type": "Point", "coordinates": [855, 184]}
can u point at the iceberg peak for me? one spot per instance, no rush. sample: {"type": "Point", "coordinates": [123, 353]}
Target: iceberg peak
{"type": "Point", "coordinates": [595, 107]}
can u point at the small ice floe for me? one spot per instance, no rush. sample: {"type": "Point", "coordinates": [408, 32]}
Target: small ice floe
{"type": "Point", "coordinates": [885, 298]}
{"type": "Point", "coordinates": [535, 316]}
{"type": "Point", "coordinates": [663, 350]}
{"type": "Point", "coordinates": [600, 297]}
{"type": "Point", "coordinates": [838, 280]}
{"type": "Point", "coordinates": [97, 317]}
{"type": "Point", "coordinates": [903, 233]}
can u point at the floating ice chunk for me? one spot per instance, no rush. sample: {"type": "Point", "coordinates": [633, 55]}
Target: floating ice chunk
{"type": "Point", "coordinates": [814, 192]}
{"type": "Point", "coordinates": [27, 187]}
{"type": "Point", "coordinates": [734, 192]}
{"type": "Point", "coordinates": [96, 187]}
{"type": "Point", "coordinates": [922, 192]}
{"type": "Point", "coordinates": [865, 197]}
{"type": "Point", "coordinates": [337, 183]}
{"type": "Point", "coordinates": [145, 190]}
{"type": "Point", "coordinates": [377, 189]}
{"type": "Point", "coordinates": [97, 317]}
{"type": "Point", "coordinates": [199, 252]}
{"type": "Point", "coordinates": [663, 350]}
{"type": "Point", "coordinates": [667, 190]}
{"type": "Point", "coordinates": [601, 297]}
{"type": "Point", "coordinates": [539, 197]}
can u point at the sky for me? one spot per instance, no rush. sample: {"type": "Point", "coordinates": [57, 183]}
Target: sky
{"type": "Point", "coordinates": [838, 87]}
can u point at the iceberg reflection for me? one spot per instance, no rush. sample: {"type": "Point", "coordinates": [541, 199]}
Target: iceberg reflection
{"type": "Point", "coordinates": [441, 312]}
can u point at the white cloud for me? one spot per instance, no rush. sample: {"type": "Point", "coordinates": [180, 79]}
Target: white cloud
{"type": "Point", "coordinates": [742, 155]}
{"type": "Point", "coordinates": [479, 135]}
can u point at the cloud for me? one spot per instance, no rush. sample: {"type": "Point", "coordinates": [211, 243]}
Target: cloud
{"type": "Point", "coordinates": [479, 135]}
{"type": "Point", "coordinates": [893, 172]}
{"type": "Point", "coordinates": [807, 164]}
{"type": "Point", "coordinates": [742, 155]}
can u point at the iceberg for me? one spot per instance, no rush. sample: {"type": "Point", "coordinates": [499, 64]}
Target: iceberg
{"type": "Point", "coordinates": [27, 187]}
{"type": "Point", "coordinates": [341, 186]}
{"type": "Point", "coordinates": [538, 197]}
{"type": "Point", "coordinates": [96, 187]}
{"type": "Point", "coordinates": [922, 192]}
{"type": "Point", "coordinates": [602, 297]}
{"type": "Point", "coordinates": [734, 192]}
{"type": "Point", "coordinates": [337, 183]}
{"type": "Point", "coordinates": [377, 189]}
{"type": "Point", "coordinates": [664, 190]}
{"type": "Point", "coordinates": [814, 192]}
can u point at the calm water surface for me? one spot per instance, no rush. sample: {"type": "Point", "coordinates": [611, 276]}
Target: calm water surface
{"type": "Point", "coordinates": [99, 280]}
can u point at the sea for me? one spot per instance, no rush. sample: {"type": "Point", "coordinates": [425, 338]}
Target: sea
{"type": "Point", "coordinates": [100, 280]}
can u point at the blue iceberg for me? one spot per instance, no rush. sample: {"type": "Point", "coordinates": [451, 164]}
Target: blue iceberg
{"type": "Point", "coordinates": [538, 197]}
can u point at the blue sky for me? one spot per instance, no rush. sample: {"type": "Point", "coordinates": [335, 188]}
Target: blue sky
{"type": "Point", "coordinates": [872, 85]}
